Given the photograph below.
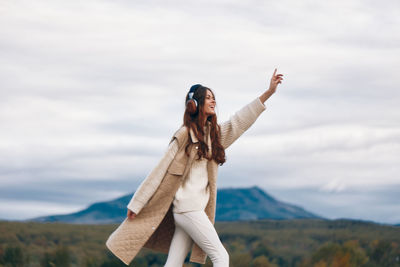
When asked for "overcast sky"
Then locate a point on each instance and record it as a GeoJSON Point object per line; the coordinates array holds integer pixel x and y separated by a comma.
{"type": "Point", "coordinates": [92, 91]}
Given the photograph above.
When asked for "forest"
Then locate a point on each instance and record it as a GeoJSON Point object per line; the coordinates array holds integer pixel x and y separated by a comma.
{"type": "Point", "coordinates": [298, 243]}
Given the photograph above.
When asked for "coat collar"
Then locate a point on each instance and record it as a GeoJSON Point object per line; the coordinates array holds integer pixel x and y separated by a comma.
{"type": "Point", "coordinates": [193, 136]}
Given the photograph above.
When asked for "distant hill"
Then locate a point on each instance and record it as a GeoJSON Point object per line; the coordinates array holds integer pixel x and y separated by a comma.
{"type": "Point", "coordinates": [238, 204]}
{"type": "Point", "coordinates": [233, 204]}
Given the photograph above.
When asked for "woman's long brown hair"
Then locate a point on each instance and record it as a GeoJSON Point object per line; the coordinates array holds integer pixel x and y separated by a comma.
{"type": "Point", "coordinates": [194, 119]}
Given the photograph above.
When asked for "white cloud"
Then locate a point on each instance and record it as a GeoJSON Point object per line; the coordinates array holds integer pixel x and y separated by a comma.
{"type": "Point", "coordinates": [355, 155]}
{"type": "Point", "coordinates": [335, 185]}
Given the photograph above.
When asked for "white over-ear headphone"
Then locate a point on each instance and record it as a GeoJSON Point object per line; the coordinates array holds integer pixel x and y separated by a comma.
{"type": "Point", "coordinates": [191, 93]}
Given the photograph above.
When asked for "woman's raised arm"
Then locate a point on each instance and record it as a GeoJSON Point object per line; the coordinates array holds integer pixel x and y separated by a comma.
{"type": "Point", "coordinates": [237, 124]}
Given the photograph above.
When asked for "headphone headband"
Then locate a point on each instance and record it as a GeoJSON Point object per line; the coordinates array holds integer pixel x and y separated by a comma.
{"type": "Point", "coordinates": [192, 89]}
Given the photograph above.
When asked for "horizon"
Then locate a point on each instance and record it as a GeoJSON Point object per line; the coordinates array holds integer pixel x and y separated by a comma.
{"type": "Point", "coordinates": [318, 216]}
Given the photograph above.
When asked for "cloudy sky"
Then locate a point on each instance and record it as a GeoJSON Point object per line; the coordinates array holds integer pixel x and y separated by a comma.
{"type": "Point", "coordinates": [92, 91]}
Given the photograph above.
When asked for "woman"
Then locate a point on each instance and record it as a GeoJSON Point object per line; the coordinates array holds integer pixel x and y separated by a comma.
{"type": "Point", "coordinates": [174, 207]}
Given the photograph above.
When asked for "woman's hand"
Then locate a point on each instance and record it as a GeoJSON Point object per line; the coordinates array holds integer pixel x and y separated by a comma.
{"type": "Point", "coordinates": [131, 215]}
{"type": "Point", "coordinates": [275, 80]}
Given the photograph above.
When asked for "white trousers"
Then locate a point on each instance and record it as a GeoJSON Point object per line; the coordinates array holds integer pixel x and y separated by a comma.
{"type": "Point", "coordinates": [195, 226]}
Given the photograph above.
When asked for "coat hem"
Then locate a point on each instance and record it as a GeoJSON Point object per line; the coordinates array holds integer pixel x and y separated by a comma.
{"type": "Point", "coordinates": [116, 254]}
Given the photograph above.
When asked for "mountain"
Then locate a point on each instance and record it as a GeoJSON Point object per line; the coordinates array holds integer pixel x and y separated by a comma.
{"type": "Point", "coordinates": [98, 213]}
{"type": "Point", "coordinates": [233, 204]}
{"type": "Point", "coordinates": [238, 204]}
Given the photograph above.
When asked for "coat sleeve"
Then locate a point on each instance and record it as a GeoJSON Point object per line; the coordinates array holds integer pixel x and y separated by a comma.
{"type": "Point", "coordinates": [238, 123]}
{"type": "Point", "coordinates": [150, 184]}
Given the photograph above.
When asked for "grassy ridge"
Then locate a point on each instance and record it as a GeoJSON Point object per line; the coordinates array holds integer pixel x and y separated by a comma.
{"type": "Point", "coordinates": [307, 242]}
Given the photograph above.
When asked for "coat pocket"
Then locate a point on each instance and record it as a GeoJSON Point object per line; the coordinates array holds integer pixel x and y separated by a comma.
{"type": "Point", "coordinates": [176, 168]}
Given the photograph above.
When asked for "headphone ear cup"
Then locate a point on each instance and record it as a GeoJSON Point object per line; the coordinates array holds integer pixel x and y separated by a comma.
{"type": "Point", "coordinates": [192, 108]}
{"type": "Point", "coordinates": [194, 101]}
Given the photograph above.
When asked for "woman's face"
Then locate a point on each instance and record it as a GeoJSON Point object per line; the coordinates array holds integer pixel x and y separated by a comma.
{"type": "Point", "coordinates": [209, 104]}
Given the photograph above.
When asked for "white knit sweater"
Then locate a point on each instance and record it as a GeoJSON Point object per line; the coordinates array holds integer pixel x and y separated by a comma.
{"type": "Point", "coordinates": [193, 194]}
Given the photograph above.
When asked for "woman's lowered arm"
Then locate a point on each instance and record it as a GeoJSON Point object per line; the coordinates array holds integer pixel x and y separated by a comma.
{"type": "Point", "coordinates": [150, 184]}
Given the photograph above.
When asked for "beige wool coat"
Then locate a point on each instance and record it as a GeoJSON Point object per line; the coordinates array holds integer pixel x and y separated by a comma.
{"type": "Point", "coordinates": [153, 227]}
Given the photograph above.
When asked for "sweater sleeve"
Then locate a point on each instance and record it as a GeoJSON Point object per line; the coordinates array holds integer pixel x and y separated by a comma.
{"type": "Point", "coordinates": [238, 123]}
{"type": "Point", "coordinates": [150, 184]}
